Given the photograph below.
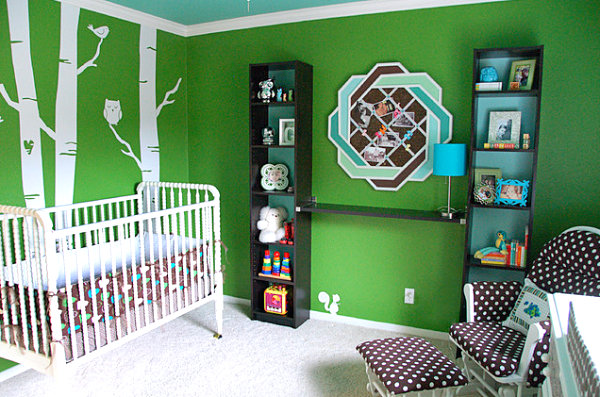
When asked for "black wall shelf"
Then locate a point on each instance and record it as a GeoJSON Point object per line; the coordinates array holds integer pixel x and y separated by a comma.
{"type": "Point", "coordinates": [381, 212]}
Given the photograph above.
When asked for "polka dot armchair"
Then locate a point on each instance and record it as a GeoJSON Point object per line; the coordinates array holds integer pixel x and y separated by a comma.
{"type": "Point", "coordinates": [569, 263]}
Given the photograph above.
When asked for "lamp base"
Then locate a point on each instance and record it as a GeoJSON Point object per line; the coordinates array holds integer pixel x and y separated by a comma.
{"type": "Point", "coordinates": [444, 213]}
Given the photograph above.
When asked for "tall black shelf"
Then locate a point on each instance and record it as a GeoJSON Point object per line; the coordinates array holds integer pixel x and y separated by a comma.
{"type": "Point", "coordinates": [296, 76]}
{"type": "Point", "coordinates": [484, 220]}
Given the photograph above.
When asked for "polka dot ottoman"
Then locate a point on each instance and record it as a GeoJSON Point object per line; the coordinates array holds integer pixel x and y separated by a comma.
{"type": "Point", "coordinates": [397, 366]}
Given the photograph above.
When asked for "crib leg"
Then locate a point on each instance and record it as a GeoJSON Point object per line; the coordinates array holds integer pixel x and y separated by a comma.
{"type": "Point", "coordinates": [219, 304]}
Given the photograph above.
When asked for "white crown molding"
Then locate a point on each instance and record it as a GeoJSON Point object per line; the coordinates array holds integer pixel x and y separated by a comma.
{"type": "Point", "coordinates": [325, 12]}
{"type": "Point", "coordinates": [276, 18]}
{"type": "Point", "coordinates": [130, 15]}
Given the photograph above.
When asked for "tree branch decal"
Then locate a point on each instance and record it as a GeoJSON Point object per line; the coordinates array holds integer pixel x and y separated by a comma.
{"type": "Point", "coordinates": [166, 100]}
{"type": "Point", "coordinates": [129, 151]}
{"type": "Point", "coordinates": [9, 101]}
{"type": "Point", "coordinates": [101, 32]}
{"type": "Point", "coordinates": [113, 114]}
{"type": "Point", "coordinates": [17, 106]}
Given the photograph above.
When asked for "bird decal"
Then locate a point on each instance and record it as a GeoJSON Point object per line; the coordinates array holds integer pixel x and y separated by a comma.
{"type": "Point", "coordinates": [100, 31]}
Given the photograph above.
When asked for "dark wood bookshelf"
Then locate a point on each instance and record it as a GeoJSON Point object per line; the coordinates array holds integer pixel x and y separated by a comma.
{"type": "Point", "coordinates": [480, 224]}
{"type": "Point", "coordinates": [298, 76]}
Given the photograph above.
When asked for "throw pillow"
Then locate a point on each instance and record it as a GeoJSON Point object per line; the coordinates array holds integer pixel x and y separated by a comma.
{"type": "Point", "coordinates": [531, 307]}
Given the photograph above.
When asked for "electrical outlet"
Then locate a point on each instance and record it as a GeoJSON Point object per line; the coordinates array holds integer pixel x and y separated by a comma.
{"type": "Point", "coordinates": [409, 296]}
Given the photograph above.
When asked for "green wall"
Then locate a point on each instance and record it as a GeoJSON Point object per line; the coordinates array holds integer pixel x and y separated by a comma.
{"type": "Point", "coordinates": [101, 170]}
{"type": "Point", "coordinates": [369, 261]}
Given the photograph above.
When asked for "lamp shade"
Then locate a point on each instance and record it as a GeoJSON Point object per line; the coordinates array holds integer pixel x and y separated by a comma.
{"type": "Point", "coordinates": [449, 159]}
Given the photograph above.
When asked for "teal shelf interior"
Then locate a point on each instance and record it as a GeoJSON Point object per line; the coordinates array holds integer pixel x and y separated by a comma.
{"type": "Point", "coordinates": [527, 105]}
{"type": "Point", "coordinates": [485, 222]}
{"type": "Point", "coordinates": [514, 165]}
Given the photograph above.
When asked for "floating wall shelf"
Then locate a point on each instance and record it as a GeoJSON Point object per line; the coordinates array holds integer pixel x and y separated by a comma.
{"type": "Point", "coordinates": [382, 212]}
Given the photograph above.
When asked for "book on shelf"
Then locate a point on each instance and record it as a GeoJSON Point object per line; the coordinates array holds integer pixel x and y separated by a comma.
{"type": "Point", "coordinates": [500, 145]}
{"type": "Point", "coordinates": [491, 86]}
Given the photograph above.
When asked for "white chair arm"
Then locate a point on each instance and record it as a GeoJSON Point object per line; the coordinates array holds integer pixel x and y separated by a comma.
{"type": "Point", "coordinates": [534, 335]}
{"type": "Point", "coordinates": [469, 301]}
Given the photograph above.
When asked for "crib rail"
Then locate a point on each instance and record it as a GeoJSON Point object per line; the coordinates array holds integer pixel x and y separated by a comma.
{"type": "Point", "coordinates": [109, 268]}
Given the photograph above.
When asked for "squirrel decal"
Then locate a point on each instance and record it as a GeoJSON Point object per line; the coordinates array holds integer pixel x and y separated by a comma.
{"type": "Point", "coordinates": [332, 308]}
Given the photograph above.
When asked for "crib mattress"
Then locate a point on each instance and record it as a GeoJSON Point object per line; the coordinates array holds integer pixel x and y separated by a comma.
{"type": "Point", "coordinates": [121, 299]}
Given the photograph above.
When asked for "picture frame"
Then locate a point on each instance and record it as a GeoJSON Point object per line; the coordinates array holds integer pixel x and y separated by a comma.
{"type": "Point", "coordinates": [484, 194]}
{"type": "Point", "coordinates": [512, 192]}
{"type": "Point", "coordinates": [505, 128]}
{"type": "Point", "coordinates": [488, 176]}
{"type": "Point", "coordinates": [287, 132]}
{"type": "Point", "coordinates": [522, 72]}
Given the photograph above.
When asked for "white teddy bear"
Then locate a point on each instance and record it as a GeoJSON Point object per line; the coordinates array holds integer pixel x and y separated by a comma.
{"type": "Point", "coordinates": [270, 224]}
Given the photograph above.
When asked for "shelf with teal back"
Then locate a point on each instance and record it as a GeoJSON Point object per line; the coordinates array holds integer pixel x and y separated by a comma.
{"type": "Point", "coordinates": [483, 222]}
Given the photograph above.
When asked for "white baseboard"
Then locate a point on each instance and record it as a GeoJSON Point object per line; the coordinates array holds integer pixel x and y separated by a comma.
{"type": "Point", "coordinates": [13, 371]}
{"type": "Point", "coordinates": [425, 333]}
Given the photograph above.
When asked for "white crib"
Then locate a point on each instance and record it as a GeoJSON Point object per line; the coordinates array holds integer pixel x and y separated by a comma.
{"type": "Point", "coordinates": [77, 280]}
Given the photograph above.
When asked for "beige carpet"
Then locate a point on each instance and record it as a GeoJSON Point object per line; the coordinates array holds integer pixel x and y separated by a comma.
{"type": "Point", "coordinates": [252, 359]}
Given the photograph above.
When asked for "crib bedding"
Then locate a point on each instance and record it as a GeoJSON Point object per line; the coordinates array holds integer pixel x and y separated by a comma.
{"type": "Point", "coordinates": [93, 259]}
{"type": "Point", "coordinates": [121, 298]}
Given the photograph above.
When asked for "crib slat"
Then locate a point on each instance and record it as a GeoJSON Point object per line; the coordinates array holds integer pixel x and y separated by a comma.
{"type": "Point", "coordinates": [126, 286]}
{"type": "Point", "coordinates": [93, 287]}
{"type": "Point", "coordinates": [81, 303]}
{"type": "Point", "coordinates": [40, 275]}
{"type": "Point", "coordinates": [30, 289]}
{"type": "Point", "coordinates": [69, 304]}
{"type": "Point", "coordinates": [104, 284]}
{"type": "Point", "coordinates": [6, 286]}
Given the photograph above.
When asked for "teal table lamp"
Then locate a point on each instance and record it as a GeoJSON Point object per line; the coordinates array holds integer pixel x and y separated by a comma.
{"type": "Point", "coordinates": [449, 159]}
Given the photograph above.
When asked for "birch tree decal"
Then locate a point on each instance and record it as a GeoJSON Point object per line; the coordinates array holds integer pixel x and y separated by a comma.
{"type": "Point", "coordinates": [149, 112]}
{"type": "Point", "coordinates": [26, 104]}
{"type": "Point", "coordinates": [113, 114]}
{"type": "Point", "coordinates": [66, 100]}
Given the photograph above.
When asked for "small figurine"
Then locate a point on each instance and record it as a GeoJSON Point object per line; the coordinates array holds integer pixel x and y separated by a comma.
{"type": "Point", "coordinates": [290, 97]}
{"type": "Point", "coordinates": [526, 141]}
{"type": "Point", "coordinates": [500, 246]}
{"type": "Point", "coordinates": [266, 90]}
{"type": "Point", "coordinates": [284, 97]}
{"type": "Point", "coordinates": [488, 74]}
{"type": "Point", "coordinates": [278, 97]}
{"type": "Point", "coordinates": [268, 133]}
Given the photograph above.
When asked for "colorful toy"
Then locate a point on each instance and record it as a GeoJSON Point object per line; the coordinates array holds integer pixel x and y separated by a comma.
{"type": "Point", "coordinates": [289, 235]}
{"type": "Point", "coordinates": [276, 299]}
{"type": "Point", "coordinates": [276, 264]}
{"type": "Point", "coordinates": [285, 267]}
{"type": "Point", "coordinates": [266, 267]}
{"type": "Point", "coordinates": [500, 246]}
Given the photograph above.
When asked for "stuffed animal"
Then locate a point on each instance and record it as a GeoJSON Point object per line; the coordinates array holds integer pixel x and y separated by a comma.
{"type": "Point", "coordinates": [270, 224]}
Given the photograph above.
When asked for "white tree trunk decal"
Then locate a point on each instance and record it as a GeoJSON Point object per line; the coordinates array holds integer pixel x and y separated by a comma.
{"type": "Point", "coordinates": [149, 144]}
{"type": "Point", "coordinates": [66, 103]}
{"type": "Point", "coordinates": [66, 100]}
{"type": "Point", "coordinates": [66, 106]}
{"type": "Point", "coordinates": [26, 104]}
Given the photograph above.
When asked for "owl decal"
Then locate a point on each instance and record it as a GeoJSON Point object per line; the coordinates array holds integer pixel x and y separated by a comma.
{"type": "Point", "coordinates": [112, 111]}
